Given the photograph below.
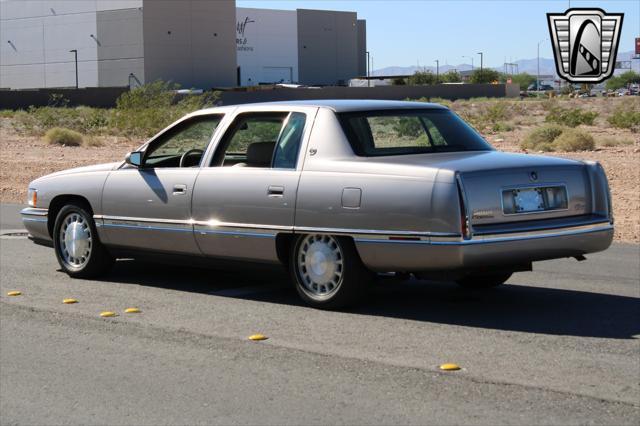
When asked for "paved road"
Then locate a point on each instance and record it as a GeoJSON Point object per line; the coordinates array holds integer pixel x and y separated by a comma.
{"type": "Point", "coordinates": [558, 345]}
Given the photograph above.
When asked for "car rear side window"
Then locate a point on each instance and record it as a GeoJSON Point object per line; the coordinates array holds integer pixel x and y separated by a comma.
{"type": "Point", "coordinates": [262, 140]}
{"type": "Point", "coordinates": [377, 133]}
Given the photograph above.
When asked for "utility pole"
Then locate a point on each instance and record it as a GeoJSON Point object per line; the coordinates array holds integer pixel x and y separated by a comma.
{"type": "Point", "coordinates": [75, 54]}
{"type": "Point", "coordinates": [538, 72]}
{"type": "Point", "coordinates": [481, 55]}
{"type": "Point", "coordinates": [437, 71]}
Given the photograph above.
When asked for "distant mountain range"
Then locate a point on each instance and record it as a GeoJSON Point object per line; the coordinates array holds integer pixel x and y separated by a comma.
{"type": "Point", "coordinates": [547, 66]}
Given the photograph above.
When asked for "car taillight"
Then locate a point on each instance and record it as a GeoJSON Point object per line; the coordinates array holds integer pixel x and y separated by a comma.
{"type": "Point", "coordinates": [464, 216]}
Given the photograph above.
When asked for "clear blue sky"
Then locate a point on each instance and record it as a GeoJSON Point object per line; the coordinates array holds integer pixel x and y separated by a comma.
{"type": "Point", "coordinates": [401, 32]}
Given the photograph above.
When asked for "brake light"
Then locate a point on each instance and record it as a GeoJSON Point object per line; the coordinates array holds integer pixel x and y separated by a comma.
{"type": "Point", "coordinates": [464, 226]}
{"type": "Point", "coordinates": [464, 216]}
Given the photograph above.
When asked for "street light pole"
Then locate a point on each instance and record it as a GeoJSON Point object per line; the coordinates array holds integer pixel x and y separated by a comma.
{"type": "Point", "coordinates": [368, 75]}
{"type": "Point", "coordinates": [437, 71]}
{"type": "Point", "coordinates": [481, 55]}
{"type": "Point", "coordinates": [75, 54]}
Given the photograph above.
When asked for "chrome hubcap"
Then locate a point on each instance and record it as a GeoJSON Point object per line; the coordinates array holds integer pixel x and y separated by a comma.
{"type": "Point", "coordinates": [75, 240]}
{"type": "Point", "coordinates": [320, 264]}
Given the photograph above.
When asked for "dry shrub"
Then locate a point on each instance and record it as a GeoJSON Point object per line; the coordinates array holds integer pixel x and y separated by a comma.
{"type": "Point", "coordinates": [574, 140]}
{"type": "Point", "coordinates": [62, 136]}
{"type": "Point", "coordinates": [546, 134]}
{"type": "Point", "coordinates": [614, 142]}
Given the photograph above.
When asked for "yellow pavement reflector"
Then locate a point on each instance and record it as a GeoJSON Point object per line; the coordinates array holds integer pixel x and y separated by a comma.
{"type": "Point", "coordinates": [107, 314]}
{"type": "Point", "coordinates": [449, 367]}
{"type": "Point", "coordinates": [14, 293]}
{"type": "Point", "coordinates": [258, 337]}
{"type": "Point", "coordinates": [69, 301]}
{"type": "Point", "coordinates": [132, 310]}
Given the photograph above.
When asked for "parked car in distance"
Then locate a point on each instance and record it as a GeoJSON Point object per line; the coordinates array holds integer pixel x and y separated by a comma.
{"type": "Point", "coordinates": [335, 190]}
{"type": "Point", "coordinates": [533, 87]}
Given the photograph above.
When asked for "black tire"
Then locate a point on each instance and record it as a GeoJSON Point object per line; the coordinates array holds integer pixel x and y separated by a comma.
{"type": "Point", "coordinates": [98, 260]}
{"type": "Point", "coordinates": [484, 280]}
{"type": "Point", "coordinates": [354, 278]}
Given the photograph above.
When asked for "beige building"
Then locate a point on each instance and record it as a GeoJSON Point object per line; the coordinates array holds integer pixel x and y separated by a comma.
{"type": "Point", "coordinates": [196, 43]}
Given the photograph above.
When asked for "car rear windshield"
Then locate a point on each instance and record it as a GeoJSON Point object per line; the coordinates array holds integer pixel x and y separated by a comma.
{"type": "Point", "coordinates": [377, 133]}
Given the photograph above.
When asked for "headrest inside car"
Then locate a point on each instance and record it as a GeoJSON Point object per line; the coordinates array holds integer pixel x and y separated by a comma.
{"type": "Point", "coordinates": [259, 154]}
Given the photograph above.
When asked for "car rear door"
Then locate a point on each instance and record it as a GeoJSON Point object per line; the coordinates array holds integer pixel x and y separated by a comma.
{"type": "Point", "coordinates": [243, 200]}
{"type": "Point", "coordinates": [149, 208]}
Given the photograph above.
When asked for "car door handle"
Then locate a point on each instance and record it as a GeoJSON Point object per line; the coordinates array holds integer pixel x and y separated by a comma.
{"type": "Point", "coordinates": [179, 189]}
{"type": "Point", "coordinates": [275, 191]}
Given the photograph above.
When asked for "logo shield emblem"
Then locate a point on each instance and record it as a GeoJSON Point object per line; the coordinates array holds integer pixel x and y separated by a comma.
{"type": "Point", "coordinates": [585, 43]}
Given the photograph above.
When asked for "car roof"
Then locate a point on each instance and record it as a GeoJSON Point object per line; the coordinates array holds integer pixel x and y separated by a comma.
{"type": "Point", "coordinates": [347, 105]}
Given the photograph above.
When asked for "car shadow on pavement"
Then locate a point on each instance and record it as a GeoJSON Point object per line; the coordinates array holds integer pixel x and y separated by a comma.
{"type": "Point", "coordinates": [512, 307]}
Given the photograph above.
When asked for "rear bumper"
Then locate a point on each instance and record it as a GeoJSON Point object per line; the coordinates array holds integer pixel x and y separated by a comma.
{"type": "Point", "coordinates": [453, 253]}
{"type": "Point", "coordinates": [35, 222]}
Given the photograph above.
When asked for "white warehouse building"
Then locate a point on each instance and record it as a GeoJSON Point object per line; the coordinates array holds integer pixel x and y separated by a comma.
{"type": "Point", "coordinates": [196, 43]}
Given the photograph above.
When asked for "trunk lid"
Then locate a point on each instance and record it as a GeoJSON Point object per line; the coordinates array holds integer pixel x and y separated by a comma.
{"type": "Point", "coordinates": [508, 188]}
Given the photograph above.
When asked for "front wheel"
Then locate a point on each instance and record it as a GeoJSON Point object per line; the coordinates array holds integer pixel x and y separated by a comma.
{"type": "Point", "coordinates": [78, 249]}
{"type": "Point", "coordinates": [327, 271]}
{"type": "Point", "coordinates": [484, 280]}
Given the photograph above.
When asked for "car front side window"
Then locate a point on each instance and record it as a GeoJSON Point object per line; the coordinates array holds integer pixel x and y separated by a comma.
{"type": "Point", "coordinates": [183, 145]}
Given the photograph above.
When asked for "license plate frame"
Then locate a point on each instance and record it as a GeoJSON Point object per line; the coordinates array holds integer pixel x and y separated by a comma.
{"type": "Point", "coordinates": [533, 199]}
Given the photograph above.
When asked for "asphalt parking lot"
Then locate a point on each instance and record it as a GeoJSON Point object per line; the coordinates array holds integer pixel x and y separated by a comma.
{"type": "Point", "coordinates": [558, 345]}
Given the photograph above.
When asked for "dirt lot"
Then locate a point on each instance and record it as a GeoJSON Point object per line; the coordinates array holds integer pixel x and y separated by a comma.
{"type": "Point", "coordinates": [23, 157]}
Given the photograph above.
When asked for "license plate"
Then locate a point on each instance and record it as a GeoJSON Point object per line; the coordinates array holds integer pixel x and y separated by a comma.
{"type": "Point", "coordinates": [538, 199]}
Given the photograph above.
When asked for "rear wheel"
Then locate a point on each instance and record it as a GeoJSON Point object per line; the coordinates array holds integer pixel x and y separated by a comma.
{"type": "Point", "coordinates": [327, 271]}
{"type": "Point", "coordinates": [484, 280]}
{"type": "Point", "coordinates": [78, 249]}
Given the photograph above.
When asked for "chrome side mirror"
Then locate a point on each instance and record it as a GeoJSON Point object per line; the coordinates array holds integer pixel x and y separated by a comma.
{"type": "Point", "coordinates": [134, 158]}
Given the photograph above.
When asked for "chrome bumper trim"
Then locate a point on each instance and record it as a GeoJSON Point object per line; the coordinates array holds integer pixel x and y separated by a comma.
{"type": "Point", "coordinates": [498, 238]}
{"type": "Point", "coordinates": [207, 225]}
{"type": "Point", "coordinates": [33, 211]}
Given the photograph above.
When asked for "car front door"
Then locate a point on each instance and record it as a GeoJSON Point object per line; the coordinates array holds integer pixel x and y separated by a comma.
{"type": "Point", "coordinates": [149, 207]}
{"type": "Point", "coordinates": [248, 194]}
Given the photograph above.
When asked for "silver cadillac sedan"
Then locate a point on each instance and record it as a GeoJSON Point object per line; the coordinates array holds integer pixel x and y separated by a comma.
{"type": "Point", "coordinates": [335, 190]}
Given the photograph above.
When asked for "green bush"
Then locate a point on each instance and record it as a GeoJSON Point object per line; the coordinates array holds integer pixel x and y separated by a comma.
{"type": "Point", "coordinates": [502, 127]}
{"type": "Point", "coordinates": [451, 77]}
{"type": "Point", "coordinates": [420, 78]}
{"type": "Point", "coordinates": [623, 80]}
{"type": "Point", "coordinates": [148, 109]}
{"type": "Point", "coordinates": [574, 140]}
{"type": "Point", "coordinates": [62, 136]}
{"type": "Point", "coordinates": [37, 120]}
{"type": "Point", "coordinates": [496, 111]}
{"type": "Point", "coordinates": [570, 117]}
{"type": "Point", "coordinates": [626, 116]}
{"type": "Point", "coordinates": [485, 75]}
{"type": "Point", "coordinates": [544, 135]}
